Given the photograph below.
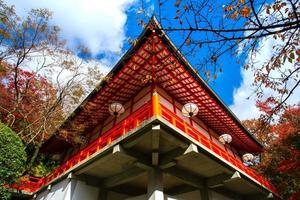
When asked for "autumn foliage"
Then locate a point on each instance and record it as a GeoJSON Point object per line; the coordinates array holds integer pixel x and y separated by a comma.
{"type": "Point", "coordinates": [280, 162]}
{"type": "Point", "coordinates": [25, 100]}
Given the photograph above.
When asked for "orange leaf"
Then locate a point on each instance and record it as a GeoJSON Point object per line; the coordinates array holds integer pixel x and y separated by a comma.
{"type": "Point", "coordinates": [245, 11]}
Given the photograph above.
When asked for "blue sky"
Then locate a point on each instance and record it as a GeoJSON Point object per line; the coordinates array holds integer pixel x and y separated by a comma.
{"type": "Point", "coordinates": [105, 26]}
{"type": "Point", "coordinates": [116, 21]}
{"type": "Point", "coordinates": [229, 79]}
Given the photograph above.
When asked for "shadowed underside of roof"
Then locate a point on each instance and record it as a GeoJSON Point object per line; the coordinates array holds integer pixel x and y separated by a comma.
{"type": "Point", "coordinates": [154, 57]}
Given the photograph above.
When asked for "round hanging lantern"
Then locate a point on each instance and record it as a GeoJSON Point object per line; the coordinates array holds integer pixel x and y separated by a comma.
{"type": "Point", "coordinates": [248, 157]}
{"type": "Point", "coordinates": [116, 109]}
{"type": "Point", "coordinates": [190, 110]}
{"type": "Point", "coordinates": [225, 138]}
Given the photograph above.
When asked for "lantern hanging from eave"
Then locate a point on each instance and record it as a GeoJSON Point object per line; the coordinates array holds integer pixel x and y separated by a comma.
{"type": "Point", "coordinates": [248, 157]}
{"type": "Point", "coordinates": [225, 138]}
{"type": "Point", "coordinates": [190, 110]}
{"type": "Point", "coordinates": [116, 109]}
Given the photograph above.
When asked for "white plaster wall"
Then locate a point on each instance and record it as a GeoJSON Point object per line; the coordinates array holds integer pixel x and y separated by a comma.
{"type": "Point", "coordinates": [143, 197]}
{"type": "Point", "coordinates": [69, 190]}
{"type": "Point", "coordinates": [59, 191]}
{"type": "Point", "coordinates": [84, 191]}
{"type": "Point", "coordinates": [166, 103]}
{"type": "Point", "coordinates": [185, 196]}
{"type": "Point", "coordinates": [193, 195]}
{"type": "Point", "coordinates": [78, 190]}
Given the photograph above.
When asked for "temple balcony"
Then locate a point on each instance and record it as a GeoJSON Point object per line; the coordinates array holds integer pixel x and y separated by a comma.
{"type": "Point", "coordinates": [155, 135]}
{"type": "Point", "coordinates": [151, 151]}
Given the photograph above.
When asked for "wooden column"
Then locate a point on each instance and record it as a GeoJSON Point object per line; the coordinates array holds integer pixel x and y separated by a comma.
{"type": "Point", "coordinates": [155, 104]}
{"type": "Point", "coordinates": [102, 194]}
{"type": "Point", "coordinates": [204, 193]}
{"type": "Point", "coordinates": [155, 185]}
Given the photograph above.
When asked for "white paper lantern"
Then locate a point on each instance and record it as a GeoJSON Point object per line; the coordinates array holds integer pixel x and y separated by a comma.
{"type": "Point", "coordinates": [116, 109]}
{"type": "Point", "coordinates": [190, 110]}
{"type": "Point", "coordinates": [248, 157]}
{"type": "Point", "coordinates": [225, 138]}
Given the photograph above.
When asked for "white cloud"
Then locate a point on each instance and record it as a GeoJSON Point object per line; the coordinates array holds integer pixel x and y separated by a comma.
{"type": "Point", "coordinates": [244, 99]}
{"type": "Point", "coordinates": [98, 24]}
{"type": "Point", "coordinates": [245, 108]}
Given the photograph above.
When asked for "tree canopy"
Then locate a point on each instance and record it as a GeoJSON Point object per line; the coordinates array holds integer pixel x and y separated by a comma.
{"type": "Point", "coordinates": [280, 161]}
{"type": "Point", "coordinates": [41, 80]}
{"type": "Point", "coordinates": [37, 113]}
{"type": "Point", "coordinates": [12, 158]}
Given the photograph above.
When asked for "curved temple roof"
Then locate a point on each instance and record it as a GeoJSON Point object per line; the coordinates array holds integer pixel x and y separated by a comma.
{"type": "Point", "coordinates": [155, 56]}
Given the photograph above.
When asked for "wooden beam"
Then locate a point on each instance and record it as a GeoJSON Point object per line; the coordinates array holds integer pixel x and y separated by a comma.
{"type": "Point", "coordinates": [129, 190]}
{"type": "Point", "coordinates": [180, 189]}
{"type": "Point", "coordinates": [270, 196]}
{"type": "Point", "coordinates": [118, 150]}
{"type": "Point", "coordinates": [192, 148]}
{"type": "Point", "coordinates": [218, 180]}
{"type": "Point", "coordinates": [155, 144]}
{"type": "Point", "coordinates": [229, 193]}
{"type": "Point", "coordinates": [101, 160]}
{"type": "Point", "coordinates": [155, 157]}
{"type": "Point", "coordinates": [174, 140]}
{"type": "Point", "coordinates": [258, 197]}
{"type": "Point", "coordinates": [102, 195]}
{"type": "Point", "coordinates": [122, 177]}
{"type": "Point", "coordinates": [155, 184]}
{"type": "Point", "coordinates": [186, 177]}
{"type": "Point", "coordinates": [141, 160]}
{"type": "Point", "coordinates": [235, 177]}
{"type": "Point", "coordinates": [89, 180]}
{"type": "Point", "coordinates": [170, 159]}
{"type": "Point", "coordinates": [204, 193]}
{"type": "Point", "coordinates": [142, 165]}
{"type": "Point", "coordinates": [134, 140]}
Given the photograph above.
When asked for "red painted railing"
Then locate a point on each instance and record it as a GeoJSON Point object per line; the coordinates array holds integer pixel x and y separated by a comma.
{"type": "Point", "coordinates": [27, 183]}
{"type": "Point", "coordinates": [123, 127]}
{"type": "Point", "coordinates": [202, 139]}
{"type": "Point", "coordinates": [145, 112]}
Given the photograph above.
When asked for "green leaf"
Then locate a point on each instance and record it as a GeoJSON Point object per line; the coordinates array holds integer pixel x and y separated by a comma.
{"type": "Point", "coordinates": [292, 55]}
{"type": "Point", "coordinates": [12, 156]}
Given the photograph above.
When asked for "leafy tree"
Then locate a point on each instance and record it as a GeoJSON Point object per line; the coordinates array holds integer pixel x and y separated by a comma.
{"type": "Point", "coordinates": [41, 80]}
{"type": "Point", "coordinates": [38, 113]}
{"type": "Point", "coordinates": [213, 30]}
{"type": "Point", "coordinates": [263, 132]}
{"type": "Point", "coordinates": [12, 158]}
{"type": "Point", "coordinates": [33, 117]}
{"type": "Point", "coordinates": [280, 161]}
{"type": "Point", "coordinates": [44, 165]}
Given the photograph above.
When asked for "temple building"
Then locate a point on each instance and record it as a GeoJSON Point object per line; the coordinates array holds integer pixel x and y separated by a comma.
{"type": "Point", "coordinates": [153, 129]}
